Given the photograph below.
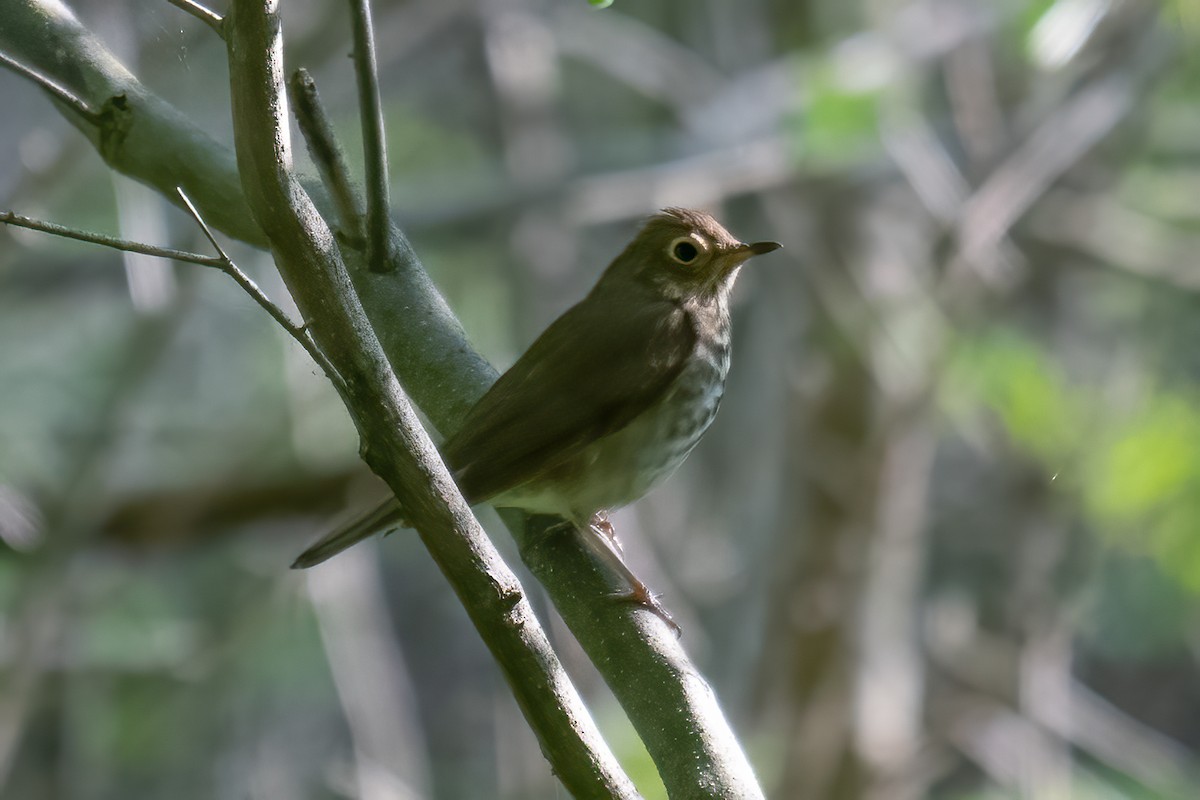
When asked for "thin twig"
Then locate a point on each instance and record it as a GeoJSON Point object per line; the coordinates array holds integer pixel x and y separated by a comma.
{"type": "Point", "coordinates": [326, 152]}
{"type": "Point", "coordinates": [221, 262]}
{"type": "Point", "coordinates": [208, 234]}
{"type": "Point", "coordinates": [60, 93]}
{"type": "Point", "coordinates": [206, 15]}
{"type": "Point", "coordinates": [10, 218]}
{"type": "Point", "coordinates": [226, 265]}
{"type": "Point", "coordinates": [371, 119]}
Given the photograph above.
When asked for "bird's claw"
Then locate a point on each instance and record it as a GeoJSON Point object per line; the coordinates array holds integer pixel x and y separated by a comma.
{"type": "Point", "coordinates": [602, 527]}
{"type": "Point", "coordinates": [649, 601]}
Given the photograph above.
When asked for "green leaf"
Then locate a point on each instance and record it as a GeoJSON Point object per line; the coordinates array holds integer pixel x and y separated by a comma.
{"type": "Point", "coordinates": [839, 122]}
{"type": "Point", "coordinates": [1028, 392]}
{"type": "Point", "coordinates": [1175, 542]}
{"type": "Point", "coordinates": [1152, 462]}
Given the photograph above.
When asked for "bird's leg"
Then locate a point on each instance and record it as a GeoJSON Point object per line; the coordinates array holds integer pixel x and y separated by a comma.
{"type": "Point", "coordinates": [602, 526]}
{"type": "Point", "coordinates": [604, 544]}
{"type": "Point", "coordinates": [598, 535]}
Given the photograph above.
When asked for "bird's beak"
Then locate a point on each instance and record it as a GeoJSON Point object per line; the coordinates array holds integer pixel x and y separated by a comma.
{"type": "Point", "coordinates": [762, 248]}
{"type": "Point", "coordinates": [744, 251]}
{"type": "Point", "coordinates": [731, 260]}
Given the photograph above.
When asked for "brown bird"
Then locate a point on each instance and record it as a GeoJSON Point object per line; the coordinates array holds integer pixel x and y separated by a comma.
{"type": "Point", "coordinates": [610, 399]}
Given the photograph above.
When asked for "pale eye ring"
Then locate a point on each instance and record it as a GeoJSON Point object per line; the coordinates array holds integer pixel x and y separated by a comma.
{"type": "Point", "coordinates": [685, 250]}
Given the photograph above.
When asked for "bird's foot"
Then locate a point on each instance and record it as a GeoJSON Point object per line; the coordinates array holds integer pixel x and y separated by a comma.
{"type": "Point", "coordinates": [641, 595]}
{"type": "Point", "coordinates": [604, 542]}
{"type": "Point", "coordinates": [602, 527]}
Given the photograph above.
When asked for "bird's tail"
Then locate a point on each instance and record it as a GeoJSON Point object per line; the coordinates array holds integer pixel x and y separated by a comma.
{"type": "Point", "coordinates": [380, 518]}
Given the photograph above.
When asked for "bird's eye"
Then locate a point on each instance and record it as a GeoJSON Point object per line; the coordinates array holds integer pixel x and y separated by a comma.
{"type": "Point", "coordinates": [684, 250]}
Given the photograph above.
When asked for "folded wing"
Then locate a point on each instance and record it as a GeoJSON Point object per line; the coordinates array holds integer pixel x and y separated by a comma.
{"type": "Point", "coordinates": [587, 376]}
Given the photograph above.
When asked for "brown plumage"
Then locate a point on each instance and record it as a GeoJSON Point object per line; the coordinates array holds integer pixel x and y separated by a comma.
{"type": "Point", "coordinates": [610, 399]}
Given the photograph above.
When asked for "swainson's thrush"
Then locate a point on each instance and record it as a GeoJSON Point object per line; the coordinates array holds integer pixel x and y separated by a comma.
{"type": "Point", "coordinates": [610, 398]}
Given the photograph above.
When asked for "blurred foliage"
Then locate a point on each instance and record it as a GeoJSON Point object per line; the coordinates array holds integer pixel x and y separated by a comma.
{"type": "Point", "coordinates": [839, 124]}
{"type": "Point", "coordinates": [1014, 378]}
{"type": "Point", "coordinates": [1133, 465]}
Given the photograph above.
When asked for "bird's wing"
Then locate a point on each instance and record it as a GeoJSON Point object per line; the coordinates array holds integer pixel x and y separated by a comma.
{"type": "Point", "coordinates": [588, 375]}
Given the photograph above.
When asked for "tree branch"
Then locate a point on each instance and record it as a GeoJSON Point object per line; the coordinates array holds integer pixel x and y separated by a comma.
{"type": "Point", "coordinates": [395, 444]}
{"type": "Point", "coordinates": [21, 221]}
{"type": "Point", "coordinates": [1057, 143]}
{"type": "Point", "coordinates": [135, 132]}
{"type": "Point", "coordinates": [326, 153]}
{"type": "Point", "coordinates": [72, 101]}
{"type": "Point", "coordinates": [298, 332]}
{"type": "Point", "coordinates": [374, 154]}
{"type": "Point", "coordinates": [667, 700]}
{"type": "Point", "coordinates": [222, 262]}
{"type": "Point", "coordinates": [206, 15]}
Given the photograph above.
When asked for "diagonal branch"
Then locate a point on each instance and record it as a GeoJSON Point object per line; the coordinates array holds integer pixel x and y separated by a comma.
{"type": "Point", "coordinates": [394, 443]}
{"type": "Point", "coordinates": [203, 13]}
{"type": "Point", "coordinates": [298, 332]}
{"type": "Point", "coordinates": [56, 90]}
{"type": "Point", "coordinates": [1016, 184]}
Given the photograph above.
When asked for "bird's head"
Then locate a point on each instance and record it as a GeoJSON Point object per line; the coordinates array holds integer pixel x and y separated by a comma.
{"type": "Point", "coordinates": [683, 253]}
